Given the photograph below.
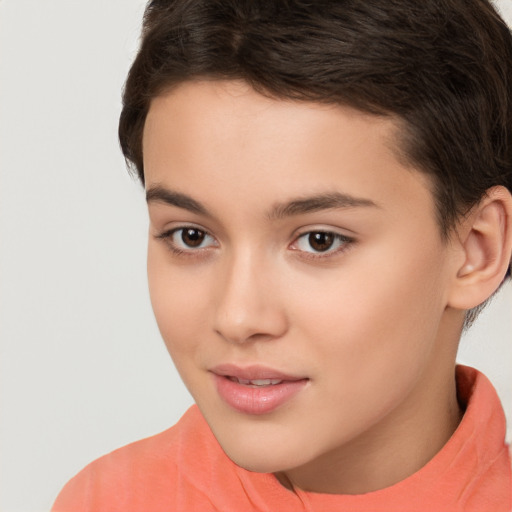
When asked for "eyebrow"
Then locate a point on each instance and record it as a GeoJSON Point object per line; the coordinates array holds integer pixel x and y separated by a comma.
{"type": "Point", "coordinates": [300, 206]}
{"type": "Point", "coordinates": [327, 201]}
{"type": "Point", "coordinates": [159, 194]}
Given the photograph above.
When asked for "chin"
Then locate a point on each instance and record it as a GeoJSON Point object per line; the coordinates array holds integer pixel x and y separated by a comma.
{"type": "Point", "coordinates": [263, 456]}
{"type": "Point", "coordinates": [269, 444]}
{"type": "Point", "coordinates": [258, 463]}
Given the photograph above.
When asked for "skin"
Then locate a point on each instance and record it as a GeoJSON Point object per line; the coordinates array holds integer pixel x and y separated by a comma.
{"type": "Point", "coordinates": [367, 322]}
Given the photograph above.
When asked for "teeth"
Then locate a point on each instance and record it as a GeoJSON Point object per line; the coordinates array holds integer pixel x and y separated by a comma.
{"type": "Point", "coordinates": [258, 382]}
{"type": "Point", "coordinates": [265, 382]}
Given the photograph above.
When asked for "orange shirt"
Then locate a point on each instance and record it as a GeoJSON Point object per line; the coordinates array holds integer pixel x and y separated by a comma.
{"type": "Point", "coordinates": [184, 469]}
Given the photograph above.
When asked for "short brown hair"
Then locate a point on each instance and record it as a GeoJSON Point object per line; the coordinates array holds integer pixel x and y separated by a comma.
{"type": "Point", "coordinates": [442, 67]}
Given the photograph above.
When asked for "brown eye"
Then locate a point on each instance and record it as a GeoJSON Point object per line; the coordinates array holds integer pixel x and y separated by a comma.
{"type": "Point", "coordinates": [192, 237]}
{"type": "Point", "coordinates": [324, 243]}
{"type": "Point", "coordinates": [320, 241]}
{"type": "Point", "coordinates": [188, 240]}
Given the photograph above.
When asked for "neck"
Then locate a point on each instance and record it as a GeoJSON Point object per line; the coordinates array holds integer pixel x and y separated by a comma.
{"type": "Point", "coordinates": [396, 447]}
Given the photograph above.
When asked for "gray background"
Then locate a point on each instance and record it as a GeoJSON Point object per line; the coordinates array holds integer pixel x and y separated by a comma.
{"type": "Point", "coordinates": [82, 366]}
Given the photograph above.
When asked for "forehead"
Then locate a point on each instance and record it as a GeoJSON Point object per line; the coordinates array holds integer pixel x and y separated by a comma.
{"type": "Point", "coordinates": [223, 140]}
{"type": "Point", "coordinates": [192, 108]}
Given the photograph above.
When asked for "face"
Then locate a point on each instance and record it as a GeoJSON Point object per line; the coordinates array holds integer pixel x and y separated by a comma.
{"type": "Point", "coordinates": [296, 271]}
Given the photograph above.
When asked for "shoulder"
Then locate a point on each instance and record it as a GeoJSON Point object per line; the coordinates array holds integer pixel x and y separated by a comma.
{"type": "Point", "coordinates": [142, 472]}
{"type": "Point", "coordinates": [479, 444]}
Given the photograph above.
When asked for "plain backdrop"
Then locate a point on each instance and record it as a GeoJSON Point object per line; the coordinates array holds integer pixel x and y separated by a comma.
{"type": "Point", "coordinates": [83, 369]}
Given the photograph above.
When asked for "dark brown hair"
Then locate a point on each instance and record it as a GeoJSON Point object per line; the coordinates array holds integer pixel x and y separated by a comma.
{"type": "Point", "coordinates": [441, 67]}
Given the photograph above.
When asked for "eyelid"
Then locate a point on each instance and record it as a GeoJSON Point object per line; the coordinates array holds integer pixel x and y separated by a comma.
{"type": "Point", "coordinates": [167, 237]}
{"type": "Point", "coordinates": [346, 243]}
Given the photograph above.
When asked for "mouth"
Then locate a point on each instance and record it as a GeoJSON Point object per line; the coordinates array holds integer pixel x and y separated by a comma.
{"type": "Point", "coordinates": [256, 383]}
{"type": "Point", "coordinates": [256, 390]}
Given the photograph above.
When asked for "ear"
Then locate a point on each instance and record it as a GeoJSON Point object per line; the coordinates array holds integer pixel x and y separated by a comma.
{"type": "Point", "coordinates": [485, 242]}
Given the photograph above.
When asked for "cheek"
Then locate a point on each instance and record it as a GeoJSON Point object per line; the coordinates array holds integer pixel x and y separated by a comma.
{"type": "Point", "coordinates": [378, 314]}
{"type": "Point", "coordinates": [177, 303]}
{"type": "Point", "coordinates": [368, 341]}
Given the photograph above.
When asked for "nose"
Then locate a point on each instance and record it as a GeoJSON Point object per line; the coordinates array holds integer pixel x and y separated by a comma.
{"type": "Point", "coordinates": [249, 305]}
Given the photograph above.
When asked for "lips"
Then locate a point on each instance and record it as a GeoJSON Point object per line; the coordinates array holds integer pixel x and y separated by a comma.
{"type": "Point", "coordinates": [255, 389]}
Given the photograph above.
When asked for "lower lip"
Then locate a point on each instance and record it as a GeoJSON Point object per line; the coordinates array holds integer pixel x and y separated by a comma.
{"type": "Point", "coordinates": [256, 399]}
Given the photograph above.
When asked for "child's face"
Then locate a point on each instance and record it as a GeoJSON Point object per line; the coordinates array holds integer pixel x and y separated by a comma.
{"type": "Point", "coordinates": [305, 251]}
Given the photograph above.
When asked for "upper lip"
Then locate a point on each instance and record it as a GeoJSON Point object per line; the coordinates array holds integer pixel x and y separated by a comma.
{"type": "Point", "coordinates": [252, 372]}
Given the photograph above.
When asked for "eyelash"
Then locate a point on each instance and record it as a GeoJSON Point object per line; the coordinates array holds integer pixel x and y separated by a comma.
{"type": "Point", "coordinates": [344, 243]}
{"type": "Point", "coordinates": [167, 237]}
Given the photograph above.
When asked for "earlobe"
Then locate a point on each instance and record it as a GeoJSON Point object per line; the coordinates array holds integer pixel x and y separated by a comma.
{"type": "Point", "coordinates": [485, 237]}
